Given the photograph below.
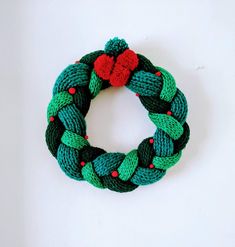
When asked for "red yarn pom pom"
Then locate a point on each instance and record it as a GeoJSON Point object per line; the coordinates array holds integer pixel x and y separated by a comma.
{"type": "Point", "coordinates": [119, 76]}
{"type": "Point", "coordinates": [86, 137]}
{"type": "Point", "coordinates": [128, 59]}
{"type": "Point", "coordinates": [158, 73]}
{"type": "Point", "coordinates": [103, 66]}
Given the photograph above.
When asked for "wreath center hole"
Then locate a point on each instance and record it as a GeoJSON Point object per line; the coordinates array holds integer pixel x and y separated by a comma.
{"type": "Point", "coordinates": [117, 121]}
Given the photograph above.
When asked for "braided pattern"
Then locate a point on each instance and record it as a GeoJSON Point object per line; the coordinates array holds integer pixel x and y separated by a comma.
{"type": "Point", "coordinates": [73, 91]}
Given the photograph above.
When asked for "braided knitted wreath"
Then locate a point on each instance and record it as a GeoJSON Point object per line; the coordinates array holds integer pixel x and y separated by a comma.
{"type": "Point", "coordinates": [66, 135]}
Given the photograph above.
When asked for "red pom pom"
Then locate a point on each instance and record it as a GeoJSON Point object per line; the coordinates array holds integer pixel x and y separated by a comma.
{"type": "Point", "coordinates": [158, 73]}
{"type": "Point", "coordinates": [137, 94]}
{"type": "Point", "coordinates": [128, 59]}
{"type": "Point", "coordinates": [119, 76]}
{"type": "Point", "coordinates": [103, 66]}
{"type": "Point", "coordinates": [114, 174]}
{"type": "Point", "coordinates": [52, 119]}
{"type": "Point", "coordinates": [151, 141]}
{"type": "Point", "coordinates": [72, 90]}
{"type": "Point", "coordinates": [86, 137]}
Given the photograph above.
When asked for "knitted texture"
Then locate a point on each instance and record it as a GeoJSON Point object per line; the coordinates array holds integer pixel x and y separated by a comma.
{"type": "Point", "coordinates": [73, 91]}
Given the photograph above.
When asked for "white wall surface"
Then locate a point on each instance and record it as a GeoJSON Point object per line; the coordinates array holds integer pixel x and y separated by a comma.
{"type": "Point", "coordinates": [193, 205]}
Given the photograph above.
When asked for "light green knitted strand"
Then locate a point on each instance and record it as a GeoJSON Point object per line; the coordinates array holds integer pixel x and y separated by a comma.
{"type": "Point", "coordinates": [168, 87]}
{"type": "Point", "coordinates": [166, 162]}
{"type": "Point", "coordinates": [90, 175]}
{"type": "Point", "coordinates": [128, 166]}
{"type": "Point", "coordinates": [58, 102]}
{"type": "Point", "coordinates": [73, 140]}
{"type": "Point", "coordinates": [95, 84]}
{"type": "Point", "coordinates": [168, 124]}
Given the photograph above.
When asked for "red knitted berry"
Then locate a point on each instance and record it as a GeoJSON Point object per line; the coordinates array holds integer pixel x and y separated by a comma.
{"type": "Point", "coordinates": [86, 137]}
{"type": "Point", "coordinates": [103, 66]}
{"type": "Point", "coordinates": [169, 113]}
{"type": "Point", "coordinates": [72, 90]}
{"type": "Point", "coordinates": [151, 141]}
{"type": "Point", "coordinates": [151, 166]}
{"type": "Point", "coordinates": [114, 174]}
{"type": "Point", "coordinates": [82, 163]}
{"type": "Point", "coordinates": [52, 119]}
{"type": "Point", "coordinates": [158, 73]}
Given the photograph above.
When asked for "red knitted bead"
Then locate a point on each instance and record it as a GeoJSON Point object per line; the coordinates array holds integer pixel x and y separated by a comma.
{"type": "Point", "coordinates": [151, 166]}
{"type": "Point", "coordinates": [169, 113]}
{"type": "Point", "coordinates": [114, 174]}
{"type": "Point", "coordinates": [137, 94]}
{"type": "Point", "coordinates": [158, 73]}
{"type": "Point", "coordinates": [86, 137]}
{"type": "Point", "coordinates": [82, 163]}
{"type": "Point", "coordinates": [151, 141]}
{"type": "Point", "coordinates": [72, 90]}
{"type": "Point", "coordinates": [52, 119]}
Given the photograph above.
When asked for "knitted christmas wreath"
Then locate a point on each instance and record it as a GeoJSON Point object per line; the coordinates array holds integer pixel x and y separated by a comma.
{"type": "Point", "coordinates": [66, 135]}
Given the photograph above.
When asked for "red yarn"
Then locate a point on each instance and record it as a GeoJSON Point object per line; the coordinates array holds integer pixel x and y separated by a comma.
{"type": "Point", "coordinates": [103, 66]}
{"type": "Point", "coordinates": [52, 119]}
{"type": "Point", "coordinates": [114, 174]}
{"type": "Point", "coordinates": [169, 113]}
{"type": "Point", "coordinates": [72, 90]}
{"type": "Point", "coordinates": [151, 166]}
{"type": "Point", "coordinates": [128, 59]}
{"type": "Point", "coordinates": [119, 76]}
{"type": "Point", "coordinates": [82, 163]}
{"type": "Point", "coordinates": [151, 141]}
{"type": "Point", "coordinates": [117, 72]}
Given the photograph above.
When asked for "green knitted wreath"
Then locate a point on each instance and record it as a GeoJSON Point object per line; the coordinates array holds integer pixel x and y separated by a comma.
{"type": "Point", "coordinates": [116, 66]}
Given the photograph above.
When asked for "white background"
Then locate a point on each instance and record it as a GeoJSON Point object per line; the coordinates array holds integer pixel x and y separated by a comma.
{"type": "Point", "coordinates": [193, 205]}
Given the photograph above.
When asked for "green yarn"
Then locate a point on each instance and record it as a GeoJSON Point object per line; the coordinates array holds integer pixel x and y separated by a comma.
{"type": "Point", "coordinates": [90, 176]}
{"type": "Point", "coordinates": [57, 103]}
{"type": "Point", "coordinates": [79, 83]}
{"type": "Point", "coordinates": [167, 147]}
{"type": "Point", "coordinates": [166, 162]}
{"type": "Point", "coordinates": [75, 75]}
{"type": "Point", "coordinates": [145, 176]}
{"type": "Point", "coordinates": [128, 166]}
{"type": "Point", "coordinates": [169, 86]}
{"type": "Point", "coordinates": [145, 83]}
{"type": "Point", "coordinates": [115, 46]}
{"type": "Point", "coordinates": [73, 140]}
{"type": "Point", "coordinates": [68, 160]}
{"type": "Point", "coordinates": [168, 124]}
{"type": "Point", "coordinates": [95, 84]}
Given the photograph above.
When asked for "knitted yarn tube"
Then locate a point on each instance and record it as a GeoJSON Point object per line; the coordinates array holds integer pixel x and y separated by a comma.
{"type": "Point", "coordinates": [79, 83]}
